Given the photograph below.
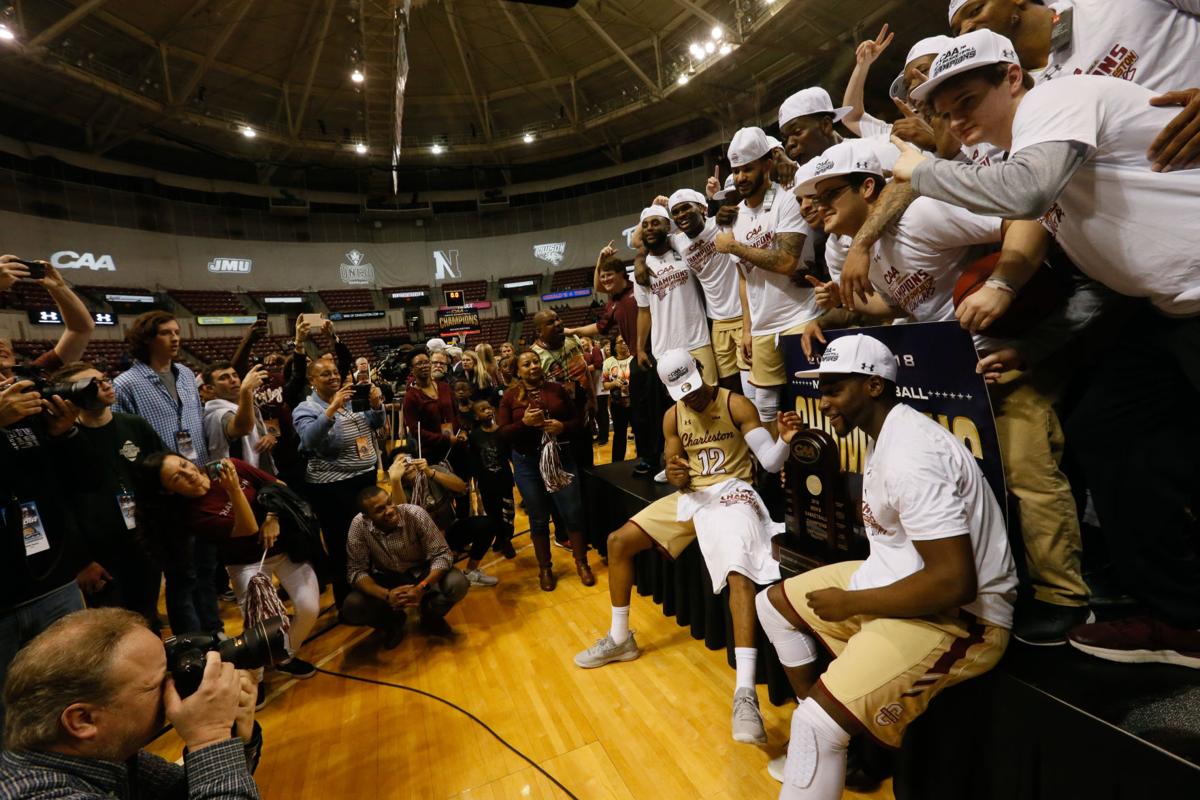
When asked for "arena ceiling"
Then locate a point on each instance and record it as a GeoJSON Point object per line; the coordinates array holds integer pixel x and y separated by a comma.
{"type": "Point", "coordinates": [497, 92]}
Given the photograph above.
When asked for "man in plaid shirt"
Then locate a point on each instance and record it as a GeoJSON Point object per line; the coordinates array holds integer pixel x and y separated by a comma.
{"type": "Point", "coordinates": [396, 558]}
{"type": "Point", "coordinates": [164, 393]}
{"type": "Point", "coordinates": [86, 694]}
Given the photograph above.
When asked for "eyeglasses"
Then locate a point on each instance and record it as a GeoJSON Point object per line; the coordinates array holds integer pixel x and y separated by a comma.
{"type": "Point", "coordinates": [825, 199]}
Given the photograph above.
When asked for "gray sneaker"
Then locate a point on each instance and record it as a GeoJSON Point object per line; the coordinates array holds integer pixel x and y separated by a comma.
{"type": "Point", "coordinates": [478, 577]}
{"type": "Point", "coordinates": [606, 650]}
{"type": "Point", "coordinates": [747, 720]}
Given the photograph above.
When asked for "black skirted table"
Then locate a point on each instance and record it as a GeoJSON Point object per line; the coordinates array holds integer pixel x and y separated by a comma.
{"type": "Point", "coordinates": [1046, 723]}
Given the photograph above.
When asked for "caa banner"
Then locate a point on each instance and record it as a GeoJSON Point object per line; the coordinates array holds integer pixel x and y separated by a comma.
{"type": "Point", "coordinates": [936, 376]}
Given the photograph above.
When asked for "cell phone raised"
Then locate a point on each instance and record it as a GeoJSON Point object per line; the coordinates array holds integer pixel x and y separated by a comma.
{"type": "Point", "coordinates": [315, 321]}
{"type": "Point", "coordinates": [262, 316]}
{"type": "Point", "coordinates": [37, 270]}
{"type": "Point", "coordinates": [361, 400]}
{"type": "Point", "coordinates": [214, 469]}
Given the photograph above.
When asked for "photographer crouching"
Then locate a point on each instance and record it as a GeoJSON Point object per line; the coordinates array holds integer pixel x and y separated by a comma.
{"type": "Point", "coordinates": [90, 691]}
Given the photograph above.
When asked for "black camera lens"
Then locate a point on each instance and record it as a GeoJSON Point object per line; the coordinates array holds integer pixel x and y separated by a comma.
{"type": "Point", "coordinates": [83, 393]}
{"type": "Point", "coordinates": [260, 645]}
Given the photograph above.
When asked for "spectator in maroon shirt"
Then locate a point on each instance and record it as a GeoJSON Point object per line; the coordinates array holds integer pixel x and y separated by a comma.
{"type": "Point", "coordinates": [430, 403]}
{"type": "Point", "coordinates": [226, 512]}
{"type": "Point", "coordinates": [530, 408]}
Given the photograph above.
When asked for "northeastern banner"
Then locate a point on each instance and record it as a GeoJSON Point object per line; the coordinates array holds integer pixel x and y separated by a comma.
{"type": "Point", "coordinates": [460, 321]}
{"type": "Point", "coordinates": [936, 376]}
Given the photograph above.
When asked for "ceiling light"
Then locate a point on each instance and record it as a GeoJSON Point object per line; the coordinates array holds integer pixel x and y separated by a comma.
{"type": "Point", "coordinates": [716, 32]}
{"type": "Point", "coordinates": [528, 138]}
{"type": "Point", "coordinates": [6, 33]}
{"type": "Point", "coordinates": [248, 132]}
{"type": "Point", "coordinates": [436, 149]}
{"type": "Point", "coordinates": [726, 48]}
{"type": "Point", "coordinates": [696, 50]}
{"type": "Point", "coordinates": [357, 76]}
{"type": "Point", "coordinates": [710, 48]}
{"type": "Point", "coordinates": [682, 79]}
{"type": "Point", "coordinates": [360, 148]}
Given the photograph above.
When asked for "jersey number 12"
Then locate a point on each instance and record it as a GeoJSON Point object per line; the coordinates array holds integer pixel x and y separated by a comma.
{"type": "Point", "coordinates": [712, 461]}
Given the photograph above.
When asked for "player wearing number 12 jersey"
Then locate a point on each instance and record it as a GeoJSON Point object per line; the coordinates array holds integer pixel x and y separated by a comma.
{"type": "Point", "coordinates": [710, 433]}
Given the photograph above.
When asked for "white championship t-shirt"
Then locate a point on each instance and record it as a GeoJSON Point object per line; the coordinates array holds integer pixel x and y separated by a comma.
{"type": "Point", "coordinates": [717, 271]}
{"type": "Point", "coordinates": [776, 302]}
{"type": "Point", "coordinates": [676, 309]}
{"type": "Point", "coordinates": [921, 483]}
{"type": "Point", "coordinates": [1148, 42]}
{"type": "Point", "coordinates": [836, 250]}
{"type": "Point", "coordinates": [917, 261]}
{"type": "Point", "coordinates": [1130, 228]}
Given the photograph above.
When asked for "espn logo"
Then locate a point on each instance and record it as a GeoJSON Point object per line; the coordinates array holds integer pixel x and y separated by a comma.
{"type": "Point", "coordinates": [241, 265]}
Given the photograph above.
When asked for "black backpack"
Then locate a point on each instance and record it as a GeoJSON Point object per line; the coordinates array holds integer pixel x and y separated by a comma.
{"type": "Point", "coordinates": [299, 527]}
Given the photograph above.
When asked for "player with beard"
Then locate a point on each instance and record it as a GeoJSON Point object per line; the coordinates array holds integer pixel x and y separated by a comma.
{"type": "Point", "coordinates": [767, 238]}
{"type": "Point", "coordinates": [718, 276]}
{"type": "Point", "coordinates": [670, 308]}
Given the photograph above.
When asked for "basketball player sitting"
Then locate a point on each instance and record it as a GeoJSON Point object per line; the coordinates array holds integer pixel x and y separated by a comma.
{"type": "Point", "coordinates": [709, 435]}
{"type": "Point", "coordinates": [930, 607]}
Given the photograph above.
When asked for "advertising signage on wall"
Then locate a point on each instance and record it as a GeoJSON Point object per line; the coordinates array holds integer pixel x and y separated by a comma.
{"type": "Point", "coordinates": [291, 299]}
{"type": "Point", "coordinates": [461, 321]}
{"type": "Point", "coordinates": [338, 316]}
{"type": "Point", "coordinates": [234, 265]}
{"type": "Point", "coordinates": [129, 298]}
{"type": "Point", "coordinates": [69, 259]}
{"type": "Point", "coordinates": [51, 316]}
{"type": "Point", "coordinates": [551, 252]}
{"type": "Point", "coordinates": [569, 294]}
{"type": "Point", "coordinates": [230, 320]}
{"type": "Point", "coordinates": [355, 271]}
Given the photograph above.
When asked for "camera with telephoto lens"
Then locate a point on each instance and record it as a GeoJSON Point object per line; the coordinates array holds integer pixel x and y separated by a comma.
{"type": "Point", "coordinates": [85, 393]}
{"type": "Point", "coordinates": [260, 645]}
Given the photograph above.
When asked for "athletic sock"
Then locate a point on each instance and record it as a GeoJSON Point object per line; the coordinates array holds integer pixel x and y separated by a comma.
{"type": "Point", "coordinates": [620, 624]}
{"type": "Point", "coordinates": [816, 760]}
{"type": "Point", "coordinates": [747, 386]}
{"type": "Point", "coordinates": [746, 658]}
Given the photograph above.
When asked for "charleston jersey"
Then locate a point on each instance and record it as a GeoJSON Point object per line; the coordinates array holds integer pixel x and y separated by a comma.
{"type": "Point", "coordinates": [716, 450]}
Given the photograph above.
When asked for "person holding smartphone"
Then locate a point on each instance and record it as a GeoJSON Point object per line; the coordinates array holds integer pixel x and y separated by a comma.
{"type": "Point", "coordinates": [75, 315]}
{"type": "Point", "coordinates": [219, 503]}
{"type": "Point", "coordinates": [342, 458]}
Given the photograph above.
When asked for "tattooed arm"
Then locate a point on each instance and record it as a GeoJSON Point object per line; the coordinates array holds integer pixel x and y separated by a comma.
{"type": "Point", "coordinates": [783, 257]}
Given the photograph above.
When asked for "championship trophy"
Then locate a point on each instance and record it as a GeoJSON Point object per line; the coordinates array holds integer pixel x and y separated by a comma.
{"type": "Point", "coordinates": [820, 521]}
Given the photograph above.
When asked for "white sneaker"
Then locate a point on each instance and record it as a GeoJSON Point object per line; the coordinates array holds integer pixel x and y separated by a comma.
{"type": "Point", "coordinates": [747, 719]}
{"type": "Point", "coordinates": [661, 477]}
{"type": "Point", "coordinates": [478, 577]}
{"type": "Point", "coordinates": [775, 767]}
{"type": "Point", "coordinates": [605, 651]}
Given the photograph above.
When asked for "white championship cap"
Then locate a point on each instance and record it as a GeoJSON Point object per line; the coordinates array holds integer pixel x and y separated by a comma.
{"type": "Point", "coordinates": [955, 5]}
{"type": "Point", "coordinates": [726, 190]}
{"type": "Point", "coordinates": [929, 46]}
{"type": "Point", "coordinates": [678, 370]}
{"type": "Point", "coordinates": [813, 100]}
{"type": "Point", "coordinates": [857, 354]}
{"type": "Point", "coordinates": [975, 49]}
{"type": "Point", "coordinates": [773, 142]}
{"type": "Point", "coordinates": [686, 196]}
{"type": "Point", "coordinates": [749, 144]}
{"type": "Point", "coordinates": [435, 345]}
{"type": "Point", "coordinates": [654, 210]}
{"type": "Point", "coordinates": [844, 158]}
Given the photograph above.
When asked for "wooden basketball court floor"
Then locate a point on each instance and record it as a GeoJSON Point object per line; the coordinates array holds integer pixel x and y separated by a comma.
{"type": "Point", "coordinates": [657, 727]}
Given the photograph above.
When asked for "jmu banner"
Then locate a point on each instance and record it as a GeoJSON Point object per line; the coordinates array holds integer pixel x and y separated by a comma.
{"type": "Point", "coordinates": [935, 375]}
